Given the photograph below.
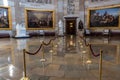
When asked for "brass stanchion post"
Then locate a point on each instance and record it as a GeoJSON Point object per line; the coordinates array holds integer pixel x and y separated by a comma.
{"type": "Point", "coordinates": [52, 51]}
{"type": "Point", "coordinates": [24, 65]}
{"type": "Point", "coordinates": [53, 48]}
{"type": "Point", "coordinates": [43, 55]}
{"type": "Point", "coordinates": [25, 75]}
{"type": "Point", "coordinates": [100, 65]}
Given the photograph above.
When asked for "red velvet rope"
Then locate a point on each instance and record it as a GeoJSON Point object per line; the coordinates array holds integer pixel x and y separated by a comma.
{"type": "Point", "coordinates": [43, 43]}
{"type": "Point", "coordinates": [46, 44]}
{"type": "Point", "coordinates": [34, 52]}
{"type": "Point", "coordinates": [96, 55]}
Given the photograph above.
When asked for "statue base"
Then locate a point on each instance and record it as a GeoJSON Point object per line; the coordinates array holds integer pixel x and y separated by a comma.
{"type": "Point", "coordinates": [25, 36]}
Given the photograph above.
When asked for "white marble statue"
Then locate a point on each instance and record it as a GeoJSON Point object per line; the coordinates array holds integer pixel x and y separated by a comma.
{"type": "Point", "coordinates": [60, 25]}
{"type": "Point", "coordinates": [21, 31]}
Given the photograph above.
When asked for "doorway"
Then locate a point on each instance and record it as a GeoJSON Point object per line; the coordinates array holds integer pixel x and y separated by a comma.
{"type": "Point", "coordinates": [70, 26]}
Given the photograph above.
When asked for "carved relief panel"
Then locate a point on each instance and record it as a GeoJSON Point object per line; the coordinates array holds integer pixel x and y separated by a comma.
{"type": "Point", "coordinates": [71, 7]}
{"type": "Point", "coordinates": [41, 1]}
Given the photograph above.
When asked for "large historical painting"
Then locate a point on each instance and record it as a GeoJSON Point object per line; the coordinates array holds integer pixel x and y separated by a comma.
{"type": "Point", "coordinates": [39, 19]}
{"type": "Point", "coordinates": [5, 18]}
{"type": "Point", "coordinates": [104, 17]}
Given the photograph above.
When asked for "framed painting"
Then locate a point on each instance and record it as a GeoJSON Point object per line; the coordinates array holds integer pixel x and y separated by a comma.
{"type": "Point", "coordinates": [39, 19]}
{"type": "Point", "coordinates": [5, 18]}
{"type": "Point", "coordinates": [104, 17]}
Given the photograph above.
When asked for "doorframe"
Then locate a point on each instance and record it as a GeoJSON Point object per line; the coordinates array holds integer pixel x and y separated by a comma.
{"type": "Point", "coordinates": [70, 18]}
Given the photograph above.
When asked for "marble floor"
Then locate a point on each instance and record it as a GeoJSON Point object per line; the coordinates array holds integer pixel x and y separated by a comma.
{"type": "Point", "coordinates": [66, 58]}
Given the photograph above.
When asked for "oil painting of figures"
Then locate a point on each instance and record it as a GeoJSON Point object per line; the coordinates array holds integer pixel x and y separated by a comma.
{"type": "Point", "coordinates": [39, 19]}
{"type": "Point", "coordinates": [4, 19]}
{"type": "Point", "coordinates": [106, 17]}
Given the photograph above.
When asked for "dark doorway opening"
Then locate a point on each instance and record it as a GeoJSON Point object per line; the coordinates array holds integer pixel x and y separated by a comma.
{"type": "Point", "coordinates": [70, 26]}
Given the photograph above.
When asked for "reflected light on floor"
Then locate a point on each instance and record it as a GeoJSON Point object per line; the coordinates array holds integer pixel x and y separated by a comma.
{"type": "Point", "coordinates": [83, 51]}
{"type": "Point", "coordinates": [71, 43]}
{"type": "Point", "coordinates": [8, 59]}
{"type": "Point", "coordinates": [51, 51]}
{"type": "Point", "coordinates": [88, 61]}
{"type": "Point", "coordinates": [11, 70]}
{"type": "Point", "coordinates": [81, 46]}
{"type": "Point", "coordinates": [56, 46]}
{"type": "Point", "coordinates": [80, 43]}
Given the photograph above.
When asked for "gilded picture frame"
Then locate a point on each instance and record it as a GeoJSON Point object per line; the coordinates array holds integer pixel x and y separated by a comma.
{"type": "Point", "coordinates": [37, 19]}
{"type": "Point", "coordinates": [104, 17]}
{"type": "Point", "coordinates": [5, 18]}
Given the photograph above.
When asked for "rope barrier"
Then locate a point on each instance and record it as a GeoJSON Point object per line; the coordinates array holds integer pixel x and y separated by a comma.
{"type": "Point", "coordinates": [46, 44]}
{"type": "Point", "coordinates": [43, 43]}
{"type": "Point", "coordinates": [34, 52]}
{"type": "Point", "coordinates": [24, 58]}
{"type": "Point", "coordinates": [96, 55]}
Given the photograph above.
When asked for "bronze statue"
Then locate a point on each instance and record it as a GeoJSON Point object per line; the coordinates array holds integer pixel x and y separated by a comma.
{"type": "Point", "coordinates": [80, 26]}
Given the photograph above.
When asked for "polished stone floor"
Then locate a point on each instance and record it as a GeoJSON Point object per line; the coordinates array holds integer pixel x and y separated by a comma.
{"type": "Point", "coordinates": [67, 58]}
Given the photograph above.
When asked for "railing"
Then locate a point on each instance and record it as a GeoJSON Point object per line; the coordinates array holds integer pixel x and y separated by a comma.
{"type": "Point", "coordinates": [34, 53]}
{"type": "Point", "coordinates": [46, 44]}
{"type": "Point", "coordinates": [95, 55]}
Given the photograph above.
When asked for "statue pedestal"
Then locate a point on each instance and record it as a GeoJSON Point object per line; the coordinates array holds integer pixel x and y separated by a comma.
{"type": "Point", "coordinates": [60, 30]}
{"type": "Point", "coordinates": [21, 32]}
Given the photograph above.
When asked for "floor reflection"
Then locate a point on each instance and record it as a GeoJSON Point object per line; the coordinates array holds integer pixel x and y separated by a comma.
{"type": "Point", "coordinates": [67, 58]}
